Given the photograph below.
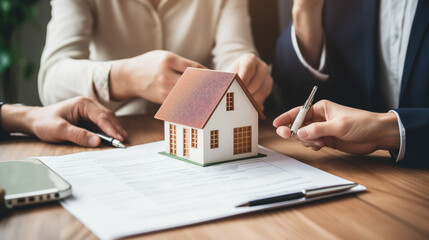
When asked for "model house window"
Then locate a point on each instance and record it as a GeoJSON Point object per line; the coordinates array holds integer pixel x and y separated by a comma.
{"type": "Point", "coordinates": [214, 139]}
{"type": "Point", "coordinates": [194, 138]}
{"type": "Point", "coordinates": [186, 142]}
{"type": "Point", "coordinates": [230, 101]}
{"type": "Point", "coordinates": [242, 140]}
{"type": "Point", "coordinates": [173, 139]}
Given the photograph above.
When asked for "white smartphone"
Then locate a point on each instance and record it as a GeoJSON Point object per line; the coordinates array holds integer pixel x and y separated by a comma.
{"type": "Point", "coordinates": [30, 181]}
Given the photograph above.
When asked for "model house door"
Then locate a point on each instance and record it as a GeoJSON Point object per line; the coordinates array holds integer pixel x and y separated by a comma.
{"type": "Point", "coordinates": [186, 142]}
{"type": "Point", "coordinates": [242, 140]}
{"type": "Point", "coordinates": [173, 139]}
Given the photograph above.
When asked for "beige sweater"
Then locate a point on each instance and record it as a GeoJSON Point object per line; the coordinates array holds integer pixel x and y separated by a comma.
{"type": "Point", "coordinates": [84, 37]}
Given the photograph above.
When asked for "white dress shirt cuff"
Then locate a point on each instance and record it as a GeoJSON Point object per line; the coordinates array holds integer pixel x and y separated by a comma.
{"type": "Point", "coordinates": [316, 72]}
{"type": "Point", "coordinates": [399, 155]}
{"type": "Point", "coordinates": [100, 80]}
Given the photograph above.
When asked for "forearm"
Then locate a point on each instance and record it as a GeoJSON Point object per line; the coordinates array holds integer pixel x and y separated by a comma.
{"type": "Point", "coordinates": [307, 21]}
{"type": "Point", "coordinates": [17, 118]}
{"type": "Point", "coordinates": [68, 78]}
{"type": "Point", "coordinates": [119, 82]}
{"type": "Point", "coordinates": [233, 34]}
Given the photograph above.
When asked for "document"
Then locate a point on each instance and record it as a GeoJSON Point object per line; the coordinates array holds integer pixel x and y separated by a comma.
{"type": "Point", "coordinates": [123, 192]}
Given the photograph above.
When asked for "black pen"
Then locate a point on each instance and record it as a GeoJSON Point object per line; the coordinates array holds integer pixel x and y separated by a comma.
{"type": "Point", "coordinates": [308, 193]}
{"type": "Point", "coordinates": [109, 141]}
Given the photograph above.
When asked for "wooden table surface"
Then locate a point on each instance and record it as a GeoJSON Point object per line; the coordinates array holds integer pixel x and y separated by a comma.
{"type": "Point", "coordinates": [395, 206]}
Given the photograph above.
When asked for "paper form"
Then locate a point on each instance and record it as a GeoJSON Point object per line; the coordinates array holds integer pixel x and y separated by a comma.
{"type": "Point", "coordinates": [122, 192]}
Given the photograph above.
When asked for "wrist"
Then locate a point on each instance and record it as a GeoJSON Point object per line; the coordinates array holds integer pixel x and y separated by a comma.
{"type": "Point", "coordinates": [388, 131]}
{"type": "Point", "coordinates": [120, 87]}
{"type": "Point", "coordinates": [17, 118]}
{"type": "Point", "coordinates": [307, 23]}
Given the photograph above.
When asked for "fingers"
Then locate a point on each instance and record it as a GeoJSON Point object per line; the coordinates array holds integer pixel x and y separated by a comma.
{"type": "Point", "coordinates": [104, 119]}
{"type": "Point", "coordinates": [283, 132]}
{"type": "Point", "coordinates": [316, 144]}
{"type": "Point", "coordinates": [246, 68]}
{"type": "Point", "coordinates": [179, 64]}
{"type": "Point", "coordinates": [261, 85]}
{"type": "Point", "coordinates": [317, 130]}
{"type": "Point", "coordinates": [286, 118]}
{"type": "Point", "coordinates": [79, 136]}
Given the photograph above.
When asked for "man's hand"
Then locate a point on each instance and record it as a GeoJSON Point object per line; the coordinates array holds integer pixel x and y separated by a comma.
{"type": "Point", "coordinates": [58, 122]}
{"type": "Point", "coordinates": [151, 76]}
{"type": "Point", "coordinates": [346, 129]}
{"type": "Point", "coordinates": [256, 76]}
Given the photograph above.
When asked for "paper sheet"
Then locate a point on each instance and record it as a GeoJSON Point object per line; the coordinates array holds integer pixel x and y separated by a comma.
{"type": "Point", "coordinates": [123, 192]}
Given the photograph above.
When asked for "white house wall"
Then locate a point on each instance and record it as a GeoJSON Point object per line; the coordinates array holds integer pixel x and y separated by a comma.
{"type": "Point", "coordinates": [196, 154]}
{"type": "Point", "coordinates": [244, 114]}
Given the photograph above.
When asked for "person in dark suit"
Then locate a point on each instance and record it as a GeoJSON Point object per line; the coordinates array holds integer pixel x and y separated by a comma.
{"type": "Point", "coordinates": [365, 54]}
{"type": "Point", "coordinates": [59, 122]}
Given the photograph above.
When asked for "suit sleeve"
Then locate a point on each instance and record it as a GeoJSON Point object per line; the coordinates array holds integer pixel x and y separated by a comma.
{"type": "Point", "coordinates": [416, 124]}
{"type": "Point", "coordinates": [293, 78]}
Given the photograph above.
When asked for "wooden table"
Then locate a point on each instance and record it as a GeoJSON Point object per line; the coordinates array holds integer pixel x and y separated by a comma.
{"type": "Point", "coordinates": [396, 205]}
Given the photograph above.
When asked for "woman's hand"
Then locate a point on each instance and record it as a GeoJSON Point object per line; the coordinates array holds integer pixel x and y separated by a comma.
{"type": "Point", "coordinates": [151, 76]}
{"type": "Point", "coordinates": [256, 76]}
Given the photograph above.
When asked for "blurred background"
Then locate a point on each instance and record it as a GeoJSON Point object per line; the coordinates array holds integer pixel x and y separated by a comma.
{"type": "Point", "coordinates": [23, 29]}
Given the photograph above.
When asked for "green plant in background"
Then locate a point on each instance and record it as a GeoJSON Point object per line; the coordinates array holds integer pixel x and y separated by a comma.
{"type": "Point", "coordinates": [13, 13]}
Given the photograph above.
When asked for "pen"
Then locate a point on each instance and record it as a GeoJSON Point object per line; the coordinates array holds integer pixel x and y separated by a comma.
{"type": "Point", "coordinates": [308, 193]}
{"type": "Point", "coordinates": [302, 113]}
{"type": "Point", "coordinates": [314, 192]}
{"type": "Point", "coordinates": [109, 141]}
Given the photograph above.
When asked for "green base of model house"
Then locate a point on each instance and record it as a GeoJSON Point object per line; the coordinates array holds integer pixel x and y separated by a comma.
{"type": "Point", "coordinates": [209, 164]}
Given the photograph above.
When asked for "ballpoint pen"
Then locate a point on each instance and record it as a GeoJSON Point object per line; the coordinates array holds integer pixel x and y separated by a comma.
{"type": "Point", "coordinates": [307, 193]}
{"type": "Point", "coordinates": [302, 113]}
{"type": "Point", "coordinates": [107, 140]}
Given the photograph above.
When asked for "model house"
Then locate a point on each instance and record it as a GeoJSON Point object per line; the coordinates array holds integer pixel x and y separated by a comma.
{"type": "Point", "coordinates": [210, 117]}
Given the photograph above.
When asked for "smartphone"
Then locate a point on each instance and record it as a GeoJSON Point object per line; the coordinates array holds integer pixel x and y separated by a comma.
{"type": "Point", "coordinates": [29, 182]}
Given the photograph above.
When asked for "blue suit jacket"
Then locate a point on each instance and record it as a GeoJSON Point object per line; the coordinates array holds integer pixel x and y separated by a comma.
{"type": "Point", "coordinates": [351, 30]}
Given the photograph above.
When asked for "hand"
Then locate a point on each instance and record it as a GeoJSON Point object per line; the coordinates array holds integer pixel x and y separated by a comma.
{"type": "Point", "coordinates": [346, 129]}
{"type": "Point", "coordinates": [58, 122]}
{"type": "Point", "coordinates": [256, 76]}
{"type": "Point", "coordinates": [151, 76]}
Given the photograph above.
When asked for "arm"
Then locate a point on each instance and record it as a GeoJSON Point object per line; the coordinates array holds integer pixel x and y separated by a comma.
{"type": "Point", "coordinates": [66, 70]}
{"type": "Point", "coordinates": [235, 51]}
{"type": "Point", "coordinates": [307, 22]}
{"type": "Point", "coordinates": [58, 122]}
{"type": "Point", "coordinates": [233, 34]}
{"type": "Point", "coordinates": [301, 55]}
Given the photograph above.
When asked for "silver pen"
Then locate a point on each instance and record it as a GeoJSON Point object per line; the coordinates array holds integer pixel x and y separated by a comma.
{"type": "Point", "coordinates": [302, 113]}
{"type": "Point", "coordinates": [107, 140]}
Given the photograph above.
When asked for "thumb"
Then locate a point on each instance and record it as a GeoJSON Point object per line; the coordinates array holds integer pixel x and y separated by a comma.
{"type": "Point", "coordinates": [81, 136]}
{"type": "Point", "coordinates": [317, 130]}
{"type": "Point", "coordinates": [179, 64]}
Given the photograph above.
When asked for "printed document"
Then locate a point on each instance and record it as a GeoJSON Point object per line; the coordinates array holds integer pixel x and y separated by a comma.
{"type": "Point", "coordinates": [123, 192]}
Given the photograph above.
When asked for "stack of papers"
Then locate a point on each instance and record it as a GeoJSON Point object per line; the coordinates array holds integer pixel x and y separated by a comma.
{"type": "Point", "coordinates": [123, 192]}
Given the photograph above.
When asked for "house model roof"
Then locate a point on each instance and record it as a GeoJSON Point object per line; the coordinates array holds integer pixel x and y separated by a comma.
{"type": "Point", "coordinates": [196, 95]}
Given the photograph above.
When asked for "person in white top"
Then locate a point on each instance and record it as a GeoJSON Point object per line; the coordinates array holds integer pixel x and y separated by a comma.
{"type": "Point", "coordinates": [130, 53]}
{"type": "Point", "coordinates": [371, 55]}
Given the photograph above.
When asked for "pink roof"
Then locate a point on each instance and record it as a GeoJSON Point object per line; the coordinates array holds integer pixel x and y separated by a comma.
{"type": "Point", "coordinates": [196, 95]}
